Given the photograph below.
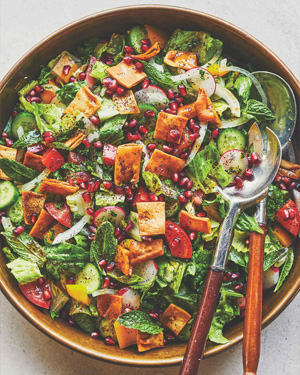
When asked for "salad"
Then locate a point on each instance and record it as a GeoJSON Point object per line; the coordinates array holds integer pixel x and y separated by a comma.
{"type": "Point", "coordinates": [109, 168]}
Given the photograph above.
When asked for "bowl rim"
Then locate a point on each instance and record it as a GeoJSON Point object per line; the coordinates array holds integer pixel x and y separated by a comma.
{"type": "Point", "coordinates": [275, 311]}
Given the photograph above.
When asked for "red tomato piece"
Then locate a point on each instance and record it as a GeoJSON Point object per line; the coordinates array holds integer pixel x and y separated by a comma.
{"type": "Point", "coordinates": [78, 177]}
{"type": "Point", "coordinates": [62, 214]}
{"type": "Point", "coordinates": [75, 158]}
{"type": "Point", "coordinates": [34, 292]}
{"type": "Point", "coordinates": [90, 81]}
{"type": "Point", "coordinates": [178, 241]}
{"type": "Point", "coordinates": [288, 216]}
{"type": "Point", "coordinates": [36, 148]}
{"type": "Point", "coordinates": [109, 154]}
{"type": "Point", "coordinates": [141, 195]}
{"type": "Point", "coordinates": [53, 160]}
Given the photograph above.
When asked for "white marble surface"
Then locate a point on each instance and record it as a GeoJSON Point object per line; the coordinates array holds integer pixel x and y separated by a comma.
{"type": "Point", "coordinates": [23, 23]}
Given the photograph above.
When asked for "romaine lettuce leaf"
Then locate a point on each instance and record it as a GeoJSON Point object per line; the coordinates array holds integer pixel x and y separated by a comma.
{"type": "Point", "coordinates": [112, 130]}
{"type": "Point", "coordinates": [223, 178]}
{"type": "Point", "coordinates": [24, 271]}
{"type": "Point", "coordinates": [247, 223]}
{"type": "Point", "coordinates": [99, 70]}
{"type": "Point", "coordinates": [68, 92]}
{"type": "Point", "coordinates": [243, 86]}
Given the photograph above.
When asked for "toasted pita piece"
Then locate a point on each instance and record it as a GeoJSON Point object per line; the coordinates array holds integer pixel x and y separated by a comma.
{"type": "Point", "coordinates": [288, 169]}
{"type": "Point", "coordinates": [32, 203]}
{"type": "Point", "coordinates": [164, 164]}
{"type": "Point", "coordinates": [58, 187]}
{"type": "Point", "coordinates": [75, 141]}
{"type": "Point", "coordinates": [54, 232]}
{"type": "Point", "coordinates": [194, 223]}
{"type": "Point", "coordinates": [85, 101]}
{"type": "Point", "coordinates": [9, 153]}
{"type": "Point", "coordinates": [166, 123]}
{"type": "Point", "coordinates": [152, 218]}
{"type": "Point", "coordinates": [175, 318]}
{"type": "Point", "coordinates": [188, 111]}
{"type": "Point", "coordinates": [42, 225]}
{"type": "Point", "coordinates": [179, 59]}
{"type": "Point", "coordinates": [157, 35]}
{"type": "Point", "coordinates": [145, 341]}
{"type": "Point", "coordinates": [59, 71]}
{"type": "Point", "coordinates": [128, 163]}
{"type": "Point", "coordinates": [126, 75]}
{"type": "Point", "coordinates": [152, 51]}
{"type": "Point", "coordinates": [283, 236]}
{"type": "Point", "coordinates": [205, 109]}
{"type": "Point", "coordinates": [109, 306]}
{"type": "Point", "coordinates": [122, 260]}
{"type": "Point", "coordinates": [139, 252]}
{"type": "Point", "coordinates": [33, 161]}
{"type": "Point", "coordinates": [126, 104]}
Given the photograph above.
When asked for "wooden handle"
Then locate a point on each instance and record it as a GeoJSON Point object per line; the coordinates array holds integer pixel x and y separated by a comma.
{"type": "Point", "coordinates": [253, 315]}
{"type": "Point", "coordinates": [206, 310]}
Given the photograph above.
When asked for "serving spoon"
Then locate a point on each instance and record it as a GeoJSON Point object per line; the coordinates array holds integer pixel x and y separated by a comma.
{"type": "Point", "coordinates": [282, 102]}
{"type": "Point", "coordinates": [239, 199]}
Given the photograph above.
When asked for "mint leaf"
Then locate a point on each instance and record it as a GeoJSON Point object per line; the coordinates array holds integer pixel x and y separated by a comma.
{"type": "Point", "coordinates": [141, 321]}
{"type": "Point", "coordinates": [285, 269]}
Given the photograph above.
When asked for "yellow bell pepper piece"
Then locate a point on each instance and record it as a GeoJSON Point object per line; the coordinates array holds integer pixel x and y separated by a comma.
{"type": "Point", "coordinates": [79, 293]}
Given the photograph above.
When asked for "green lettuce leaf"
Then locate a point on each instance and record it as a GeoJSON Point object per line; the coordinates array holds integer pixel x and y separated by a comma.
{"type": "Point", "coordinates": [112, 130]}
{"type": "Point", "coordinates": [215, 227]}
{"type": "Point", "coordinates": [285, 269]}
{"type": "Point", "coordinates": [223, 178]}
{"type": "Point", "coordinates": [17, 171]}
{"type": "Point", "coordinates": [247, 223]}
{"type": "Point", "coordinates": [239, 239]}
{"type": "Point", "coordinates": [275, 200]}
{"type": "Point", "coordinates": [220, 203]}
{"type": "Point", "coordinates": [24, 271]}
{"type": "Point", "coordinates": [243, 86]}
{"type": "Point", "coordinates": [141, 321]}
{"type": "Point", "coordinates": [99, 70]}
{"type": "Point", "coordinates": [68, 92]}
{"type": "Point", "coordinates": [258, 111]}
{"type": "Point", "coordinates": [157, 77]}
{"type": "Point", "coordinates": [153, 183]}
{"type": "Point", "coordinates": [171, 272]}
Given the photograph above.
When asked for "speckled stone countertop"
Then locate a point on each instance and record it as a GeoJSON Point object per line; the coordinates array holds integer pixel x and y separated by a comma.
{"type": "Point", "coordinates": [26, 351]}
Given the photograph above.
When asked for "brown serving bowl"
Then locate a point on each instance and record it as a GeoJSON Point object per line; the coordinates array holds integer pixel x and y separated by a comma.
{"type": "Point", "coordinates": [238, 45]}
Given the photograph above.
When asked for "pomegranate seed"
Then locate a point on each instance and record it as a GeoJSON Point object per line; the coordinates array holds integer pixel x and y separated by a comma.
{"type": "Point", "coordinates": [145, 83]}
{"type": "Point", "coordinates": [47, 134]}
{"type": "Point", "coordinates": [109, 341]}
{"type": "Point", "coordinates": [154, 315]}
{"type": "Point", "coordinates": [201, 214]}
{"type": "Point", "coordinates": [129, 226]}
{"type": "Point", "coordinates": [128, 59]}
{"type": "Point", "coordinates": [95, 335]}
{"type": "Point", "coordinates": [110, 266]}
{"type": "Point", "coordinates": [128, 49]}
{"type": "Point", "coordinates": [149, 114]}
{"type": "Point", "coordinates": [235, 276]}
{"type": "Point", "coordinates": [169, 337]}
{"type": "Point", "coordinates": [86, 197]}
{"type": "Point", "coordinates": [182, 89]}
{"type": "Point", "coordinates": [249, 174]}
{"type": "Point", "coordinates": [82, 76]}
{"type": "Point", "coordinates": [188, 194]}
{"type": "Point", "coordinates": [18, 230]}
{"type": "Point", "coordinates": [49, 139]}
{"type": "Point", "coordinates": [192, 236]}
{"type": "Point", "coordinates": [86, 142]}
{"type": "Point", "coordinates": [161, 198]}
{"type": "Point", "coordinates": [155, 265]}
{"type": "Point", "coordinates": [72, 79]}
{"type": "Point", "coordinates": [83, 185]}
{"type": "Point", "coordinates": [109, 61]}
{"type": "Point", "coordinates": [36, 99]}
{"type": "Point", "coordinates": [106, 81]}
{"type": "Point", "coordinates": [32, 92]}
{"type": "Point", "coordinates": [71, 322]}
{"type": "Point", "coordinates": [15, 113]}
{"type": "Point", "coordinates": [215, 133]}
{"type": "Point", "coordinates": [106, 282]}
{"type": "Point", "coordinates": [122, 291]}
{"type": "Point", "coordinates": [128, 190]}
{"type": "Point", "coordinates": [227, 276]}
{"type": "Point", "coordinates": [275, 269]}
{"type": "Point", "coordinates": [139, 66]}
{"type": "Point", "coordinates": [114, 285]}
{"type": "Point", "coordinates": [102, 263]}
{"type": "Point", "coordinates": [97, 184]}
{"type": "Point", "coordinates": [193, 137]}
{"type": "Point", "coordinates": [175, 177]}
{"type": "Point", "coordinates": [41, 281]}
{"type": "Point", "coordinates": [238, 287]}
{"type": "Point", "coordinates": [8, 142]}
{"type": "Point", "coordinates": [33, 218]}
{"type": "Point", "coordinates": [255, 159]}
{"type": "Point", "coordinates": [98, 144]}
{"type": "Point", "coordinates": [28, 98]}
{"type": "Point", "coordinates": [147, 238]}
{"type": "Point", "coordinates": [173, 106]}
{"type": "Point", "coordinates": [95, 120]}
{"type": "Point", "coordinates": [91, 186]}
{"type": "Point", "coordinates": [107, 185]}
{"type": "Point", "coordinates": [145, 41]}
{"type": "Point", "coordinates": [282, 186]}
{"type": "Point", "coordinates": [92, 228]}
{"type": "Point", "coordinates": [286, 214]}
{"type": "Point", "coordinates": [286, 180]}
{"type": "Point", "coordinates": [66, 70]}
{"type": "Point", "coordinates": [151, 146]}
{"type": "Point", "coordinates": [143, 129]}
{"type": "Point", "coordinates": [153, 197]}
{"type": "Point", "coordinates": [121, 90]}
{"type": "Point", "coordinates": [47, 294]}
{"type": "Point", "coordinates": [292, 185]}
{"type": "Point", "coordinates": [132, 123]}
{"type": "Point", "coordinates": [91, 237]}
{"type": "Point", "coordinates": [196, 129]}
{"type": "Point", "coordinates": [168, 149]}
{"type": "Point", "coordinates": [277, 178]}
{"type": "Point", "coordinates": [189, 185]}
{"type": "Point", "coordinates": [144, 47]}
{"type": "Point", "coordinates": [90, 211]}
{"type": "Point", "coordinates": [247, 242]}
{"type": "Point", "coordinates": [179, 100]}
{"type": "Point", "coordinates": [4, 135]}
{"type": "Point", "coordinates": [39, 89]}
{"type": "Point", "coordinates": [174, 134]}
{"type": "Point", "coordinates": [113, 85]}
{"type": "Point", "coordinates": [117, 232]}
{"type": "Point", "coordinates": [171, 111]}
{"type": "Point", "coordinates": [183, 181]}
{"type": "Point", "coordinates": [184, 155]}
{"type": "Point", "coordinates": [238, 181]}
{"type": "Point", "coordinates": [170, 94]}
{"type": "Point", "coordinates": [181, 198]}
{"type": "Point", "coordinates": [127, 309]}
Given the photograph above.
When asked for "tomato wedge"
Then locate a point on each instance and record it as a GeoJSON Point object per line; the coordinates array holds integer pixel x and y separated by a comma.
{"type": "Point", "coordinates": [62, 214]}
{"type": "Point", "coordinates": [288, 216]}
{"type": "Point", "coordinates": [36, 148]}
{"type": "Point", "coordinates": [141, 195]}
{"type": "Point", "coordinates": [78, 177]}
{"type": "Point", "coordinates": [75, 158]}
{"type": "Point", "coordinates": [178, 241]}
{"type": "Point", "coordinates": [109, 154]}
{"type": "Point", "coordinates": [53, 160]}
{"type": "Point", "coordinates": [34, 292]}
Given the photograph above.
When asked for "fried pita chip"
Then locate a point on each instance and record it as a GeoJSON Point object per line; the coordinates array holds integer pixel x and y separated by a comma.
{"type": "Point", "coordinates": [32, 203]}
{"type": "Point", "coordinates": [164, 164]}
{"type": "Point", "coordinates": [58, 187]}
{"type": "Point", "coordinates": [152, 218]}
{"type": "Point", "coordinates": [205, 109]}
{"type": "Point", "coordinates": [182, 60]}
{"type": "Point", "coordinates": [59, 68]}
{"type": "Point", "coordinates": [42, 225]}
{"type": "Point", "coordinates": [75, 141]}
{"type": "Point", "coordinates": [152, 51]}
{"type": "Point", "coordinates": [126, 104]}
{"type": "Point", "coordinates": [167, 123]}
{"type": "Point", "coordinates": [85, 101]}
{"type": "Point", "coordinates": [33, 161]}
{"type": "Point", "coordinates": [139, 252]}
{"type": "Point", "coordinates": [128, 163]}
{"type": "Point", "coordinates": [126, 75]}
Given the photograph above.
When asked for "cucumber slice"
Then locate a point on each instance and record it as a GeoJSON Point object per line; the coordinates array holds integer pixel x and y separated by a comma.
{"type": "Point", "coordinates": [15, 212]}
{"type": "Point", "coordinates": [8, 194]}
{"type": "Point", "coordinates": [86, 322]}
{"type": "Point", "coordinates": [23, 123]}
{"type": "Point", "coordinates": [230, 139]}
{"type": "Point", "coordinates": [107, 328]}
{"type": "Point", "coordinates": [137, 33]}
{"type": "Point", "coordinates": [90, 277]}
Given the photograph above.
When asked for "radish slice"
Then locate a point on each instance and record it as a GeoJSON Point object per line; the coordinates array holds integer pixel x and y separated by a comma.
{"type": "Point", "coordinates": [101, 292]}
{"type": "Point", "coordinates": [131, 299]}
{"type": "Point", "coordinates": [229, 98]}
{"type": "Point", "coordinates": [271, 277]}
{"type": "Point", "coordinates": [70, 233]}
{"type": "Point", "coordinates": [147, 270]}
{"type": "Point", "coordinates": [234, 162]}
{"type": "Point", "coordinates": [198, 77]}
{"type": "Point", "coordinates": [153, 95]}
{"type": "Point", "coordinates": [198, 142]}
{"type": "Point", "coordinates": [113, 214]}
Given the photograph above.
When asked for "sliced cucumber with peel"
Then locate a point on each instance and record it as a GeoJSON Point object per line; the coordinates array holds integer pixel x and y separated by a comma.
{"type": "Point", "coordinates": [231, 139]}
{"type": "Point", "coordinates": [15, 212]}
{"type": "Point", "coordinates": [107, 328]}
{"type": "Point", "coordinates": [8, 194]}
{"type": "Point", "coordinates": [23, 123]}
{"type": "Point", "coordinates": [89, 276]}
